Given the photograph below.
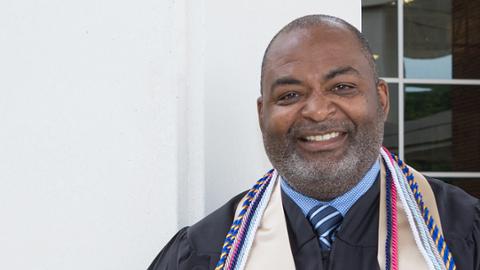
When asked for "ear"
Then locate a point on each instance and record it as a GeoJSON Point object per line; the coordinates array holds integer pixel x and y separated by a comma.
{"type": "Point", "coordinates": [384, 99]}
{"type": "Point", "coordinates": [260, 112]}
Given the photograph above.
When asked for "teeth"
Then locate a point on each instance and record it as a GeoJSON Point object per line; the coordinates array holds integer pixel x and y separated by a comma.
{"type": "Point", "coordinates": [320, 138]}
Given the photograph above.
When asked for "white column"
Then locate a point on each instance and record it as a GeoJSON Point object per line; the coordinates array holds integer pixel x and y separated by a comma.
{"type": "Point", "coordinates": [94, 114]}
{"type": "Point", "coordinates": [190, 61]}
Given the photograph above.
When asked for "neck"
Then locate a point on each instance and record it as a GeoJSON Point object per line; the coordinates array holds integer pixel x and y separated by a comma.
{"type": "Point", "coordinates": [329, 188]}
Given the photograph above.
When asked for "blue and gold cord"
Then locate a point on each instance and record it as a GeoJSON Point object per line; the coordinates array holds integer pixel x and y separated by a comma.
{"type": "Point", "coordinates": [232, 233]}
{"type": "Point", "coordinates": [435, 233]}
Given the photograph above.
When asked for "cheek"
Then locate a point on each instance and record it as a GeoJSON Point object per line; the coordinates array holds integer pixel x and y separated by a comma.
{"type": "Point", "coordinates": [365, 115]}
{"type": "Point", "coordinates": [279, 121]}
{"type": "Point", "coordinates": [358, 111]}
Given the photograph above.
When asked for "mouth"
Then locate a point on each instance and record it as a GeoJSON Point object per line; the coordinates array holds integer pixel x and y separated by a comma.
{"type": "Point", "coordinates": [325, 141]}
{"type": "Point", "coordinates": [321, 138]}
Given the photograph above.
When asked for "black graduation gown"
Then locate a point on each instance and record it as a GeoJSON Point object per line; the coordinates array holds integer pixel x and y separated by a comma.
{"type": "Point", "coordinates": [355, 247]}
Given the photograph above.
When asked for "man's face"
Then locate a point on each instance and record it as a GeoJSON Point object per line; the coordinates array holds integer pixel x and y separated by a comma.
{"type": "Point", "coordinates": [321, 111]}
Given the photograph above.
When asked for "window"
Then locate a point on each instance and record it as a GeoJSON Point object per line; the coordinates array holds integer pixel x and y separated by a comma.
{"type": "Point", "coordinates": [428, 51]}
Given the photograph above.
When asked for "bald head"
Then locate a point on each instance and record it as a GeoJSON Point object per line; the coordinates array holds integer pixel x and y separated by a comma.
{"type": "Point", "coordinates": [316, 21]}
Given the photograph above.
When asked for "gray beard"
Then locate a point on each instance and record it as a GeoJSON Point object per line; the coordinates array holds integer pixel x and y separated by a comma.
{"type": "Point", "coordinates": [325, 179]}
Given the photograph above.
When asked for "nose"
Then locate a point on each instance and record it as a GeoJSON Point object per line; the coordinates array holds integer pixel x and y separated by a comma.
{"type": "Point", "coordinates": [318, 108]}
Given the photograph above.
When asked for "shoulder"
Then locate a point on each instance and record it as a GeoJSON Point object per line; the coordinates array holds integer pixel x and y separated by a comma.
{"type": "Point", "coordinates": [200, 244]}
{"type": "Point", "coordinates": [460, 218]}
{"type": "Point", "coordinates": [208, 234]}
{"type": "Point", "coordinates": [459, 211]}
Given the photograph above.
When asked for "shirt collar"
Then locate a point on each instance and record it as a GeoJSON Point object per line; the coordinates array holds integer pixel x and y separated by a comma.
{"type": "Point", "coordinates": [342, 203]}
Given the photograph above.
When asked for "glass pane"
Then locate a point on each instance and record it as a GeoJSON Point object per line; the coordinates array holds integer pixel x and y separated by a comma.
{"type": "Point", "coordinates": [442, 127]}
{"type": "Point", "coordinates": [442, 40]}
{"type": "Point", "coordinates": [390, 137]}
{"type": "Point", "coordinates": [470, 185]}
{"type": "Point", "coordinates": [379, 25]}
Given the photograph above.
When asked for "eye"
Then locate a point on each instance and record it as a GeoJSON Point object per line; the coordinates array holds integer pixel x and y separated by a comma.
{"type": "Point", "coordinates": [344, 89]}
{"type": "Point", "coordinates": [288, 98]}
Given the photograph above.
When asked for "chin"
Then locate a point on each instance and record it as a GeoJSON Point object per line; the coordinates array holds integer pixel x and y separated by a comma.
{"type": "Point", "coordinates": [334, 156]}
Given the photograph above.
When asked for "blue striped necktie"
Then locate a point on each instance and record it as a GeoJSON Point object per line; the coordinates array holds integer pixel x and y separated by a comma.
{"type": "Point", "coordinates": [325, 220]}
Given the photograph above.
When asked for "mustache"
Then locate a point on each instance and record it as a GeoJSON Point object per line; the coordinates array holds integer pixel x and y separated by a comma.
{"type": "Point", "coordinates": [299, 129]}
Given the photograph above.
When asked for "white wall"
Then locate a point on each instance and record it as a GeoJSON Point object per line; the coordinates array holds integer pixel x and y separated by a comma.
{"type": "Point", "coordinates": [88, 133]}
{"type": "Point", "coordinates": [112, 114]}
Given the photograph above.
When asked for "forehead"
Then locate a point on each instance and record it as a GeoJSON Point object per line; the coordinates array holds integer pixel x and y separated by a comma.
{"type": "Point", "coordinates": [321, 47]}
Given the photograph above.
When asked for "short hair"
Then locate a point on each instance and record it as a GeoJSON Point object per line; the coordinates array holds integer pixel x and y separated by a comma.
{"type": "Point", "coordinates": [310, 21]}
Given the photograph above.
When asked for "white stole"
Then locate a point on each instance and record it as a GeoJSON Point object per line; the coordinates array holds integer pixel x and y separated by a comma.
{"type": "Point", "coordinates": [271, 246]}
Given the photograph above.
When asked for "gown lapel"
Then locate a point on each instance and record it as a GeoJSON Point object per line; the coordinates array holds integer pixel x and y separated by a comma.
{"type": "Point", "coordinates": [355, 246]}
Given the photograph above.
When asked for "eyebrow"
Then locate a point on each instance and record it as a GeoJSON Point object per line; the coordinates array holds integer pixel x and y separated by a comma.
{"type": "Point", "coordinates": [288, 80]}
{"type": "Point", "coordinates": [340, 71]}
{"type": "Point", "coordinates": [285, 81]}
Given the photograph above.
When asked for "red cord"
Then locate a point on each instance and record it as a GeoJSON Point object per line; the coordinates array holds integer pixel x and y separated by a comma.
{"type": "Point", "coordinates": [394, 227]}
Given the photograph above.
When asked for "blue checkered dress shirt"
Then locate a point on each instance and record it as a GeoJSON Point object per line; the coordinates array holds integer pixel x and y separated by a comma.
{"type": "Point", "coordinates": [342, 203]}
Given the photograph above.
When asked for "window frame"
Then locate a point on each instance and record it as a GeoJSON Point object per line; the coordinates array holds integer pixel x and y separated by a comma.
{"type": "Point", "coordinates": [401, 81]}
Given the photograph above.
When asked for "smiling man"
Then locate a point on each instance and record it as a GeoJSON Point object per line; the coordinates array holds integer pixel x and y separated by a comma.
{"type": "Point", "coordinates": [335, 199]}
{"type": "Point", "coordinates": [322, 108]}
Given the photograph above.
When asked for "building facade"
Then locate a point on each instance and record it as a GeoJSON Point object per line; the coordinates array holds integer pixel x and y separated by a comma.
{"type": "Point", "coordinates": [428, 51]}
